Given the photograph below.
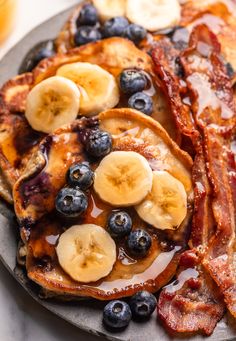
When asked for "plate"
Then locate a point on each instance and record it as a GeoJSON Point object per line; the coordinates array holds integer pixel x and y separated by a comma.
{"type": "Point", "coordinates": [86, 314]}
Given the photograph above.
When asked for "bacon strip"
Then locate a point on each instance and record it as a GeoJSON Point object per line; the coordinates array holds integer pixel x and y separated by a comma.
{"type": "Point", "coordinates": [194, 303]}
{"type": "Point", "coordinates": [190, 303]}
{"type": "Point", "coordinates": [220, 258]}
{"type": "Point", "coordinates": [215, 119]}
{"type": "Point", "coordinates": [202, 222]}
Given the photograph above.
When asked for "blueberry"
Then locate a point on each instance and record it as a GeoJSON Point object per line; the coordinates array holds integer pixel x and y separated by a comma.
{"type": "Point", "coordinates": [117, 314]}
{"type": "Point", "coordinates": [39, 52]}
{"type": "Point", "coordinates": [143, 304]}
{"type": "Point", "coordinates": [115, 27]}
{"type": "Point", "coordinates": [135, 32]}
{"type": "Point", "coordinates": [86, 34]}
{"type": "Point", "coordinates": [229, 70]}
{"type": "Point", "coordinates": [71, 202]}
{"type": "Point", "coordinates": [132, 81]}
{"type": "Point", "coordinates": [139, 242]}
{"type": "Point", "coordinates": [88, 16]}
{"type": "Point", "coordinates": [80, 175]}
{"type": "Point", "coordinates": [119, 224]}
{"type": "Point", "coordinates": [142, 102]}
{"type": "Point", "coordinates": [98, 143]}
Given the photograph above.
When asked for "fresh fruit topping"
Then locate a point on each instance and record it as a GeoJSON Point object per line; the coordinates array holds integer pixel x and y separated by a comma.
{"type": "Point", "coordinates": [123, 178]}
{"type": "Point", "coordinates": [108, 9]}
{"type": "Point", "coordinates": [52, 103]}
{"type": "Point", "coordinates": [80, 175]}
{"type": "Point", "coordinates": [98, 143]}
{"type": "Point", "coordinates": [71, 202]}
{"type": "Point", "coordinates": [139, 242]}
{"type": "Point", "coordinates": [166, 206]}
{"type": "Point", "coordinates": [154, 14]}
{"type": "Point", "coordinates": [87, 34]}
{"type": "Point", "coordinates": [88, 16]}
{"type": "Point", "coordinates": [117, 314]}
{"type": "Point", "coordinates": [99, 89]}
{"type": "Point", "coordinates": [229, 69]}
{"type": "Point", "coordinates": [142, 102]}
{"type": "Point", "coordinates": [119, 224]}
{"type": "Point", "coordinates": [115, 27]}
{"type": "Point", "coordinates": [42, 50]}
{"type": "Point", "coordinates": [135, 32]}
{"type": "Point", "coordinates": [143, 304]}
{"type": "Point", "coordinates": [86, 252]}
{"type": "Point", "coordinates": [132, 81]}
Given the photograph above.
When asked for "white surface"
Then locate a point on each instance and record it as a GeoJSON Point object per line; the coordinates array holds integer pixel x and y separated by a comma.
{"type": "Point", "coordinates": [22, 319]}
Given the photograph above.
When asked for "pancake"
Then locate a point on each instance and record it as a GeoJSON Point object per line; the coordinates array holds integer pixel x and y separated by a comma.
{"type": "Point", "coordinates": [34, 196]}
{"type": "Point", "coordinates": [115, 55]}
{"type": "Point", "coordinates": [18, 139]}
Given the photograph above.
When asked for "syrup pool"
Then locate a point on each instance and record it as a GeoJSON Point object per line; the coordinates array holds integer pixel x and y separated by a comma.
{"type": "Point", "coordinates": [150, 274]}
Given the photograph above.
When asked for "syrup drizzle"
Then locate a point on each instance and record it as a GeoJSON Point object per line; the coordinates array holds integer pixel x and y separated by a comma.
{"type": "Point", "coordinates": [96, 211]}
{"type": "Point", "coordinates": [207, 97]}
{"type": "Point", "coordinates": [124, 258]}
{"type": "Point", "coordinates": [52, 239]}
{"type": "Point", "coordinates": [183, 277]}
{"type": "Point", "coordinates": [151, 273]}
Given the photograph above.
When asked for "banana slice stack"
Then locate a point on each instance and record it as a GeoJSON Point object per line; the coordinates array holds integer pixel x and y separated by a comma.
{"type": "Point", "coordinates": [151, 14]}
{"type": "Point", "coordinates": [126, 179]}
{"type": "Point", "coordinates": [77, 89]}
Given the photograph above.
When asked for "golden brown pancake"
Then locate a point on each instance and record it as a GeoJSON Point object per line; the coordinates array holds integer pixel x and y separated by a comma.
{"type": "Point", "coordinates": [34, 197]}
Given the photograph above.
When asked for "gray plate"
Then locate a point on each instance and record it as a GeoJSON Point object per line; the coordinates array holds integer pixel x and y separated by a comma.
{"type": "Point", "coordinates": [84, 314]}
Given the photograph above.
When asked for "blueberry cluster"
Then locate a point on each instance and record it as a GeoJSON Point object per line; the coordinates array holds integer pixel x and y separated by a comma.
{"type": "Point", "coordinates": [71, 201]}
{"type": "Point", "coordinates": [117, 314]}
{"type": "Point", "coordinates": [119, 225]}
{"type": "Point", "coordinates": [89, 29]}
{"type": "Point", "coordinates": [134, 82]}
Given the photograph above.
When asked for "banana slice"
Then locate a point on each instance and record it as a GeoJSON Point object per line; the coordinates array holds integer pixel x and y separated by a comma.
{"type": "Point", "coordinates": [154, 14]}
{"type": "Point", "coordinates": [86, 252]}
{"type": "Point", "coordinates": [52, 103]}
{"type": "Point", "coordinates": [99, 89]}
{"type": "Point", "coordinates": [166, 206]}
{"type": "Point", "coordinates": [108, 9]}
{"type": "Point", "coordinates": [123, 178]}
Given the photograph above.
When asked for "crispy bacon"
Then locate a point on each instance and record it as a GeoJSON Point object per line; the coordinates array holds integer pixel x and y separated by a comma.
{"type": "Point", "coordinates": [171, 87]}
{"type": "Point", "coordinates": [216, 121]}
{"type": "Point", "coordinates": [190, 303]}
{"type": "Point", "coordinates": [202, 222]}
{"type": "Point", "coordinates": [195, 305]}
{"type": "Point", "coordinates": [209, 85]}
{"type": "Point", "coordinates": [220, 258]}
